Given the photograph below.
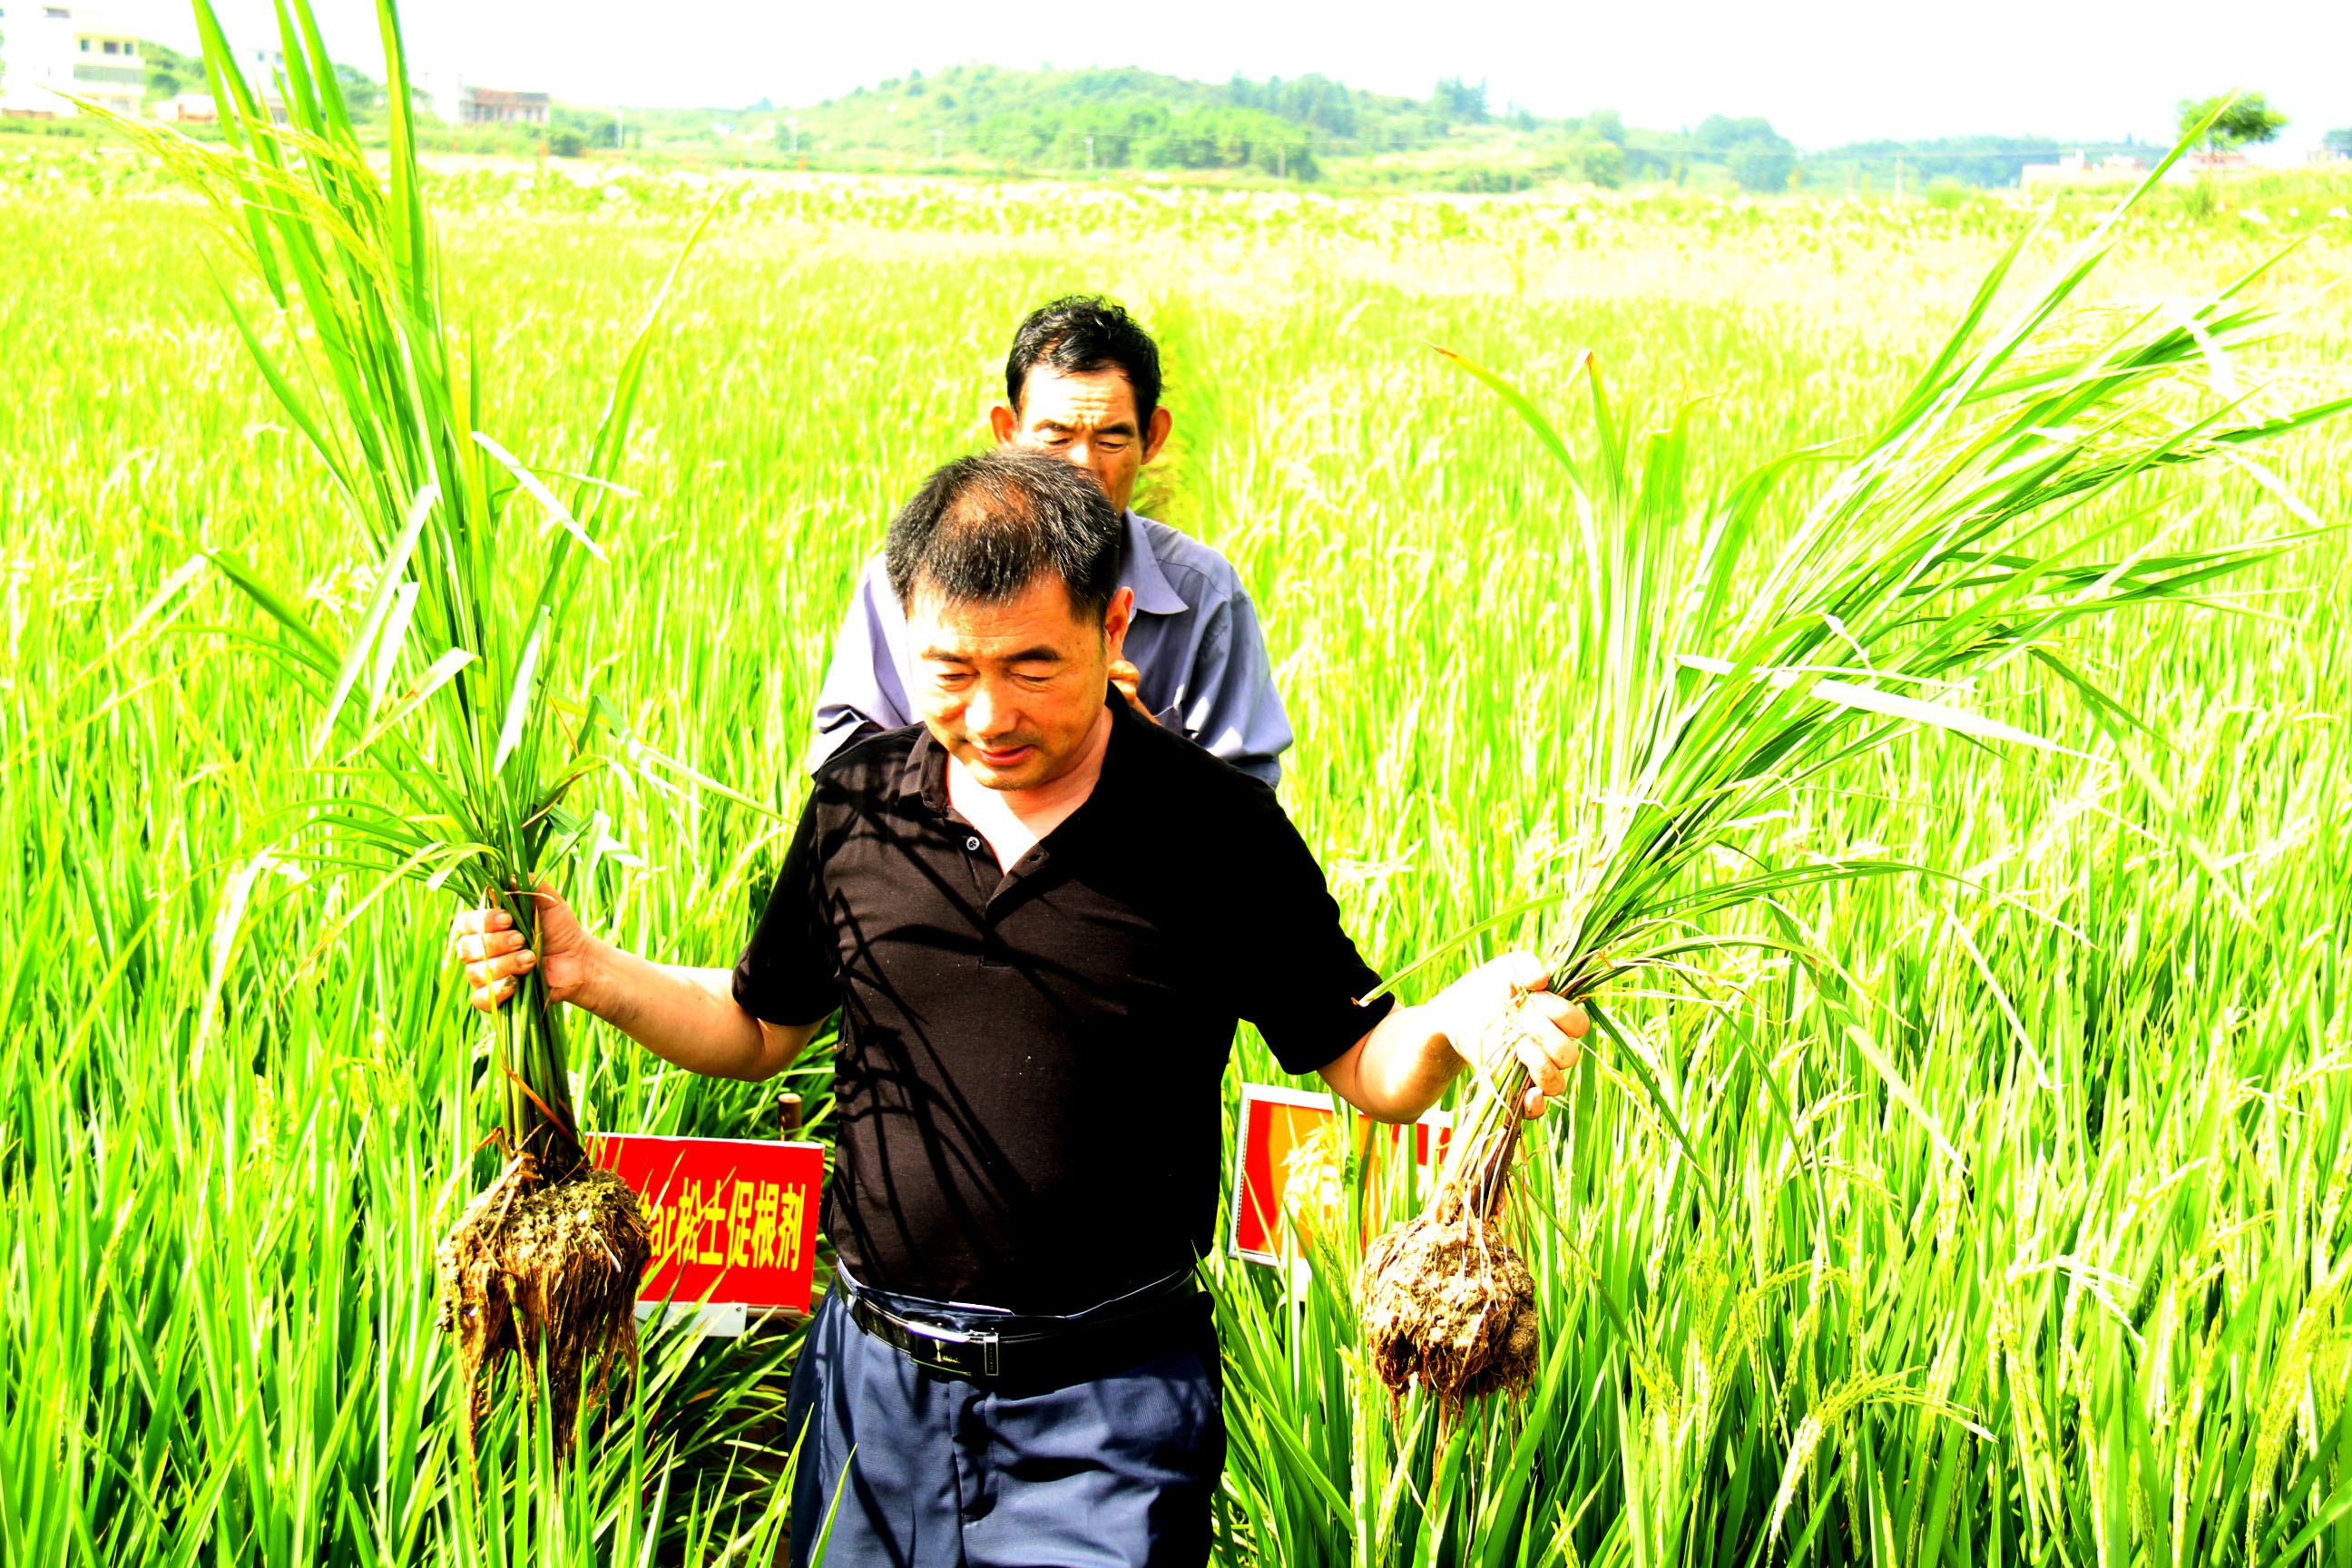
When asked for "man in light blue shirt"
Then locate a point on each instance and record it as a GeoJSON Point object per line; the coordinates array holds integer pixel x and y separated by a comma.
{"type": "Point", "coordinates": [1082, 383]}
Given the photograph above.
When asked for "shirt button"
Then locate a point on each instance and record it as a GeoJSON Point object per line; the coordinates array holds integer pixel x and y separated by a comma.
{"type": "Point", "coordinates": [972, 843]}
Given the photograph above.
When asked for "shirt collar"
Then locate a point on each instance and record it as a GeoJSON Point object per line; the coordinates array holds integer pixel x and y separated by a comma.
{"type": "Point", "coordinates": [1140, 571]}
{"type": "Point", "coordinates": [925, 772]}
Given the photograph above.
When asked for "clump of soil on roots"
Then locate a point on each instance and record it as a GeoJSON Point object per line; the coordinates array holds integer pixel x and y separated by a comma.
{"type": "Point", "coordinates": [544, 1269]}
{"type": "Point", "coordinates": [1449, 1304]}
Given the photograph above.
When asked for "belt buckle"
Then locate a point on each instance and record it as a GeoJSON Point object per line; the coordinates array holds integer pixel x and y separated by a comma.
{"type": "Point", "coordinates": [954, 1354]}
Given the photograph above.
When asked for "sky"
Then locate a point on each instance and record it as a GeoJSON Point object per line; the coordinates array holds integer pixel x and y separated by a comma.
{"type": "Point", "coordinates": [1822, 72]}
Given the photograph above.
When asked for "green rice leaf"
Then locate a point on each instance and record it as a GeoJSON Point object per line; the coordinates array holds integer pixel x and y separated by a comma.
{"type": "Point", "coordinates": [438, 674]}
{"type": "Point", "coordinates": [388, 584]}
{"type": "Point", "coordinates": [306, 645]}
{"type": "Point", "coordinates": [519, 699]}
{"type": "Point", "coordinates": [557, 512]}
{"type": "Point", "coordinates": [1887, 704]}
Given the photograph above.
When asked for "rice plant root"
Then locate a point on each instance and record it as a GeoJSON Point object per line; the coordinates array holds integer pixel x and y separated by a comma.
{"type": "Point", "coordinates": [1449, 1304]}
{"type": "Point", "coordinates": [548, 1271]}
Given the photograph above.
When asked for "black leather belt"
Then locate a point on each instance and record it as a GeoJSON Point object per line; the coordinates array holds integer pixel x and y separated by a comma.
{"type": "Point", "coordinates": [1161, 1318]}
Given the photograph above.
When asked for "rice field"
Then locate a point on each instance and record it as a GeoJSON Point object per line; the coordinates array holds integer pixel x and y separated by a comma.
{"type": "Point", "coordinates": [2026, 1241]}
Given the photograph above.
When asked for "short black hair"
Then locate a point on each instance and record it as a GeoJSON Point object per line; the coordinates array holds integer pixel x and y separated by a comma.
{"type": "Point", "coordinates": [983, 529]}
{"type": "Point", "coordinates": [1081, 334]}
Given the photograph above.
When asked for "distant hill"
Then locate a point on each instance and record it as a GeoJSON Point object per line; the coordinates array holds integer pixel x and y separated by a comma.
{"type": "Point", "coordinates": [1122, 119]}
{"type": "Point", "coordinates": [1312, 129]}
{"type": "Point", "coordinates": [1303, 129]}
{"type": "Point", "coordinates": [1308, 129]}
{"type": "Point", "coordinates": [1071, 119]}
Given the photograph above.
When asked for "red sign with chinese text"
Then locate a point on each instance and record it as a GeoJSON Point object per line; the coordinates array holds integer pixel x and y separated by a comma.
{"type": "Point", "coordinates": [1289, 1166]}
{"type": "Point", "coordinates": [734, 1219]}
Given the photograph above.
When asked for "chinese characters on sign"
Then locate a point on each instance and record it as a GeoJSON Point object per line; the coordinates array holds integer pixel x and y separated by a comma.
{"type": "Point", "coordinates": [734, 1220]}
{"type": "Point", "coordinates": [735, 1224]}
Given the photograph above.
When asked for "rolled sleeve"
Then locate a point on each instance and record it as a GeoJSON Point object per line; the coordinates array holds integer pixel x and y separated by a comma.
{"type": "Point", "coordinates": [791, 971]}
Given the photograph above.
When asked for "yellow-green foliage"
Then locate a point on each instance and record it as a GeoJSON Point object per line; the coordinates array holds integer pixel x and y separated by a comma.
{"type": "Point", "coordinates": [2096, 1313]}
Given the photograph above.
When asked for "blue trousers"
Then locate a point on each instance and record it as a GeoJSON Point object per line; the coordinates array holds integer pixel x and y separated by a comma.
{"type": "Point", "coordinates": [917, 1468]}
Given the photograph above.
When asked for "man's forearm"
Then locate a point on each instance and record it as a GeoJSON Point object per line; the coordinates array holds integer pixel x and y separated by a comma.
{"type": "Point", "coordinates": [1399, 1067]}
{"type": "Point", "coordinates": [1404, 1062]}
{"type": "Point", "coordinates": [688, 1017]}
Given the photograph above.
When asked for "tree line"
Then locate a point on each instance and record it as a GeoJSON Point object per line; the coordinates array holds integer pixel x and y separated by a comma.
{"type": "Point", "coordinates": [1294, 128]}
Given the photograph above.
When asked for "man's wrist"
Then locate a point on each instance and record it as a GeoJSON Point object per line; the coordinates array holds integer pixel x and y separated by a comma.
{"type": "Point", "coordinates": [1451, 1030]}
{"type": "Point", "coordinates": [1466, 1022]}
{"type": "Point", "coordinates": [1436, 1060]}
{"type": "Point", "coordinates": [594, 991]}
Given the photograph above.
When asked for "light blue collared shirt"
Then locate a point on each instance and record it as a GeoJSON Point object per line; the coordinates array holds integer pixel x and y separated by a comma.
{"type": "Point", "coordinates": [1196, 640]}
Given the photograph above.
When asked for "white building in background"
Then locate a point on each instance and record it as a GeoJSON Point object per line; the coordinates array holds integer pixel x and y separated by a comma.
{"type": "Point", "coordinates": [48, 49]}
{"type": "Point", "coordinates": [498, 106]}
{"type": "Point", "coordinates": [2076, 169]}
{"type": "Point", "coordinates": [456, 102]}
{"type": "Point", "coordinates": [190, 109]}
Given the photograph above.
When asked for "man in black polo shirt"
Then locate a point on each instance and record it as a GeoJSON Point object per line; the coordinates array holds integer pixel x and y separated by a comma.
{"type": "Point", "coordinates": [1039, 917]}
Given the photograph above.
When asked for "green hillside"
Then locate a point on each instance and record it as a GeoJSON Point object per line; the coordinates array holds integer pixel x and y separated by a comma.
{"type": "Point", "coordinates": [1308, 129]}
{"type": "Point", "coordinates": [987, 119]}
{"type": "Point", "coordinates": [1128, 119]}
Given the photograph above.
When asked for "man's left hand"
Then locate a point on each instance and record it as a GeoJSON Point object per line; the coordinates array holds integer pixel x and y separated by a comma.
{"type": "Point", "coordinates": [1505, 1011]}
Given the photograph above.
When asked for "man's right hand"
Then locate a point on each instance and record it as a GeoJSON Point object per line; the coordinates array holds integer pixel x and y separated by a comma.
{"type": "Point", "coordinates": [495, 957]}
{"type": "Point", "coordinates": [688, 1017]}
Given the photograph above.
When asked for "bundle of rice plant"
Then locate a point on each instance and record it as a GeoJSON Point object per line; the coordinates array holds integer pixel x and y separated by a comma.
{"type": "Point", "coordinates": [1963, 537]}
{"type": "Point", "coordinates": [435, 735]}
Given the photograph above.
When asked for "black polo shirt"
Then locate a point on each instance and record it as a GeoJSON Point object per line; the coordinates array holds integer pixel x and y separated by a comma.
{"type": "Point", "coordinates": [1028, 1074]}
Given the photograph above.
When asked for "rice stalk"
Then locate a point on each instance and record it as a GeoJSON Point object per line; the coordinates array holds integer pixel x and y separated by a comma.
{"type": "Point", "coordinates": [1954, 545]}
{"type": "Point", "coordinates": [436, 741]}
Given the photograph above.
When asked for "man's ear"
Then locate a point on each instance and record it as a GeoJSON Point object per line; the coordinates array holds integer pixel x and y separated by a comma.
{"type": "Point", "coordinates": [1157, 436]}
{"type": "Point", "coordinates": [1117, 617]}
{"type": "Point", "coordinates": [1003, 423]}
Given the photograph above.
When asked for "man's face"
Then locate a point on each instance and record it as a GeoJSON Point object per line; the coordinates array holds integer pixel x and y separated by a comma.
{"type": "Point", "coordinates": [1014, 690]}
{"type": "Point", "coordinates": [1087, 418]}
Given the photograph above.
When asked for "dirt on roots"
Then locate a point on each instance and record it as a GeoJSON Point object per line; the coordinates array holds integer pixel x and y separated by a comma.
{"type": "Point", "coordinates": [549, 1270]}
{"type": "Point", "coordinates": [1449, 1304]}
